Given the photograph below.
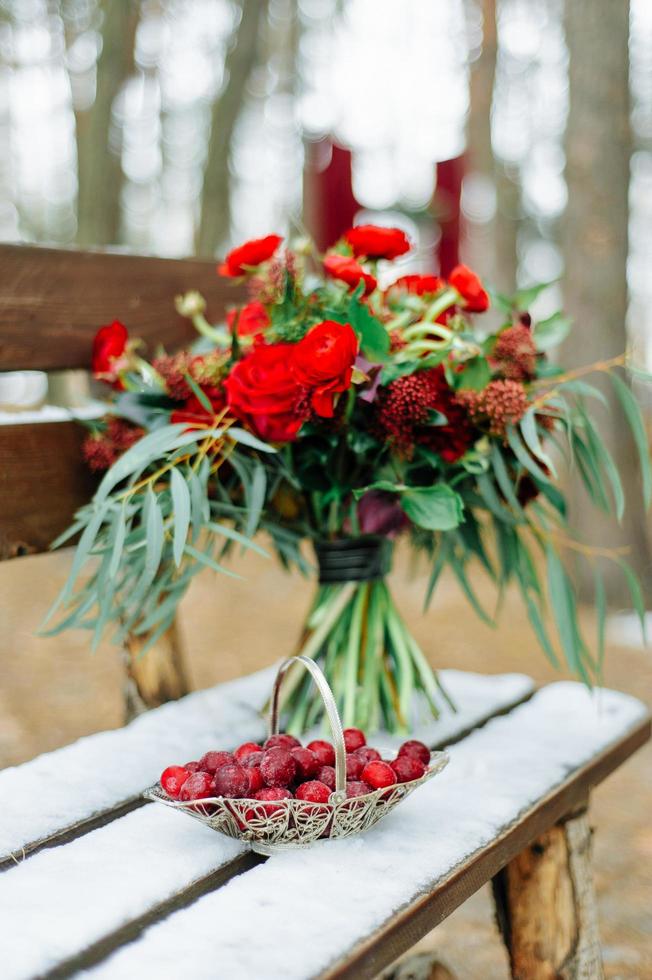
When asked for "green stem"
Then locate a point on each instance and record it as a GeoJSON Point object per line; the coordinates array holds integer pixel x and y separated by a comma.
{"type": "Point", "coordinates": [353, 656]}
{"type": "Point", "coordinates": [447, 299]}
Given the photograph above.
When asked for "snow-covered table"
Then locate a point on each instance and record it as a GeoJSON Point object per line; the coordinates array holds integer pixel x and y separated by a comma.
{"type": "Point", "coordinates": [98, 883]}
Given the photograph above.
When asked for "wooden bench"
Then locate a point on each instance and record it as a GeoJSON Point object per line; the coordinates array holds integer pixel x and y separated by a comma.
{"type": "Point", "coordinates": [95, 879]}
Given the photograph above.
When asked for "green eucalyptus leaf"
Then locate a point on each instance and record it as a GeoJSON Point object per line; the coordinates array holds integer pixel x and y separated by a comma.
{"type": "Point", "coordinates": [633, 415]}
{"type": "Point", "coordinates": [551, 332]}
{"type": "Point", "coordinates": [475, 374]}
{"type": "Point", "coordinates": [530, 432]}
{"type": "Point", "coordinates": [181, 508]}
{"type": "Point", "coordinates": [437, 508]}
{"type": "Point", "coordinates": [119, 533]}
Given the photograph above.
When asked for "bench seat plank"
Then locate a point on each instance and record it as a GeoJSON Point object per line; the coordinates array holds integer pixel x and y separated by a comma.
{"type": "Point", "coordinates": [75, 788]}
{"type": "Point", "coordinates": [311, 913]}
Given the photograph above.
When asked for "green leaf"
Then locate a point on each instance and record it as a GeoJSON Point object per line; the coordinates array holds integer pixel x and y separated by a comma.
{"type": "Point", "coordinates": [523, 298]}
{"type": "Point", "coordinates": [605, 460]}
{"type": "Point", "coordinates": [635, 419]}
{"type": "Point", "coordinates": [475, 374]}
{"type": "Point", "coordinates": [636, 593]}
{"type": "Point", "coordinates": [199, 394]}
{"type": "Point", "coordinates": [374, 339]}
{"type": "Point", "coordinates": [548, 333]}
{"type": "Point", "coordinates": [523, 456]}
{"type": "Point", "coordinates": [233, 535]}
{"type": "Point", "coordinates": [528, 426]}
{"type": "Point", "coordinates": [492, 500]}
{"type": "Point", "coordinates": [210, 562]}
{"type": "Point", "coordinates": [181, 511]}
{"type": "Point", "coordinates": [153, 520]}
{"type": "Point", "coordinates": [460, 574]}
{"type": "Point", "coordinates": [199, 505]}
{"type": "Point", "coordinates": [119, 532]}
{"type": "Point", "coordinates": [504, 481]}
{"type": "Point", "coordinates": [247, 439]}
{"type": "Point", "coordinates": [256, 499]}
{"type": "Point", "coordinates": [437, 508]}
{"type": "Point", "coordinates": [564, 607]}
{"type": "Point", "coordinates": [150, 447]}
{"type": "Point", "coordinates": [601, 614]}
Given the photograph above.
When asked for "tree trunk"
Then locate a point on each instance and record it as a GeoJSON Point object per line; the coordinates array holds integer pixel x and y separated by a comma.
{"type": "Point", "coordinates": [157, 676]}
{"type": "Point", "coordinates": [99, 169]}
{"type": "Point", "coordinates": [546, 907]}
{"type": "Point", "coordinates": [598, 147]}
{"type": "Point", "coordinates": [215, 207]}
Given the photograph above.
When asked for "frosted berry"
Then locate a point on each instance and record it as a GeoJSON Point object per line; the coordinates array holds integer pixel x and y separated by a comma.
{"type": "Point", "coordinates": [416, 749]}
{"type": "Point", "coordinates": [173, 778]}
{"type": "Point", "coordinates": [213, 761]}
{"type": "Point", "coordinates": [407, 767]}
{"type": "Point", "coordinates": [278, 768]}
{"type": "Point", "coordinates": [253, 760]}
{"type": "Point", "coordinates": [367, 754]}
{"type": "Point", "coordinates": [197, 787]}
{"type": "Point", "coordinates": [282, 741]}
{"type": "Point", "coordinates": [324, 751]}
{"type": "Point", "coordinates": [314, 791]}
{"type": "Point", "coordinates": [327, 775]}
{"type": "Point", "coordinates": [245, 750]}
{"type": "Point", "coordinates": [354, 766]}
{"type": "Point", "coordinates": [256, 781]}
{"type": "Point", "coordinates": [378, 774]}
{"type": "Point", "coordinates": [192, 766]}
{"type": "Point", "coordinates": [269, 793]}
{"type": "Point", "coordinates": [355, 787]}
{"type": "Point", "coordinates": [307, 764]}
{"type": "Point", "coordinates": [354, 739]}
{"type": "Point", "coordinates": [231, 781]}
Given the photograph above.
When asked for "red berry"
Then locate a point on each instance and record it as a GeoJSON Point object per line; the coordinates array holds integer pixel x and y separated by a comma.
{"type": "Point", "coordinates": [213, 761]}
{"type": "Point", "coordinates": [256, 781]}
{"type": "Point", "coordinates": [245, 750]}
{"type": "Point", "coordinates": [253, 760]}
{"type": "Point", "coordinates": [354, 739]}
{"type": "Point", "coordinates": [327, 775]}
{"type": "Point", "coordinates": [357, 788]}
{"type": "Point", "coordinates": [192, 766]}
{"type": "Point", "coordinates": [324, 751]}
{"type": "Point", "coordinates": [367, 754]}
{"type": "Point", "coordinates": [278, 768]}
{"type": "Point", "coordinates": [197, 787]}
{"type": "Point", "coordinates": [231, 781]}
{"type": "Point", "coordinates": [416, 749]}
{"type": "Point", "coordinates": [271, 793]}
{"type": "Point", "coordinates": [354, 766]}
{"type": "Point", "coordinates": [307, 764]}
{"type": "Point", "coordinates": [282, 741]}
{"type": "Point", "coordinates": [407, 767]}
{"type": "Point", "coordinates": [378, 774]}
{"type": "Point", "coordinates": [314, 791]}
{"type": "Point", "coordinates": [173, 778]}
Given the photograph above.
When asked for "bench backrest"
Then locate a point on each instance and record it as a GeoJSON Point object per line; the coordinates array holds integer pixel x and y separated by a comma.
{"type": "Point", "coordinates": [52, 301]}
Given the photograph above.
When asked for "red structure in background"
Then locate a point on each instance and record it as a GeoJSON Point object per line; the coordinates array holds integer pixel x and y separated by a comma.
{"type": "Point", "coordinates": [446, 203]}
{"type": "Point", "coordinates": [329, 203]}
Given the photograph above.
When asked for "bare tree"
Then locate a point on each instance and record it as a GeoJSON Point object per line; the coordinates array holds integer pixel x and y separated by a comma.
{"type": "Point", "coordinates": [598, 148]}
{"type": "Point", "coordinates": [241, 59]}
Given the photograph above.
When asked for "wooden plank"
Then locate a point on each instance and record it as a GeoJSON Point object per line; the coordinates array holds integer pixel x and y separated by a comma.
{"type": "Point", "coordinates": [221, 716]}
{"type": "Point", "coordinates": [53, 300]}
{"type": "Point", "coordinates": [43, 480]}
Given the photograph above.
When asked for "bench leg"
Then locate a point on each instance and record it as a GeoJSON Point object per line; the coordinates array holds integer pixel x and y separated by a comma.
{"type": "Point", "coordinates": [546, 906]}
{"type": "Point", "coordinates": [156, 677]}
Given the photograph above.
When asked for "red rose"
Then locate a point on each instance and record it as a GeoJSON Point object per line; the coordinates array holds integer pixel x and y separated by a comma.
{"type": "Point", "coordinates": [263, 392]}
{"type": "Point", "coordinates": [323, 363]}
{"type": "Point", "coordinates": [419, 285]}
{"type": "Point", "coordinates": [253, 319]}
{"type": "Point", "coordinates": [252, 253]}
{"type": "Point", "coordinates": [193, 412]}
{"type": "Point", "coordinates": [377, 242]}
{"type": "Point", "coordinates": [468, 285]}
{"type": "Point", "coordinates": [349, 271]}
{"type": "Point", "coordinates": [109, 346]}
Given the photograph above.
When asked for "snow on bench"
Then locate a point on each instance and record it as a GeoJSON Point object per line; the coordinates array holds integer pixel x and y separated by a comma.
{"type": "Point", "coordinates": [299, 913]}
{"type": "Point", "coordinates": [62, 789]}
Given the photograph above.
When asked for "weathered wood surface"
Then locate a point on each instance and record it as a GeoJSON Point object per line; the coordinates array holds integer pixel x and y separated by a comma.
{"type": "Point", "coordinates": [53, 300]}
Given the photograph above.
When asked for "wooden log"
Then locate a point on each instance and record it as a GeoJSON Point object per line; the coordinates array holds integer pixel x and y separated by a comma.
{"type": "Point", "coordinates": [546, 906]}
{"type": "Point", "coordinates": [157, 676]}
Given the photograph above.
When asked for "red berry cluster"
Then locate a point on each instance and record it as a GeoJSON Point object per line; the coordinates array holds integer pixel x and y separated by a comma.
{"type": "Point", "coordinates": [283, 769]}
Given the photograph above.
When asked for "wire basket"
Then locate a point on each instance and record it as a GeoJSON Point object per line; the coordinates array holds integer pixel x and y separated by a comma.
{"type": "Point", "coordinates": [270, 826]}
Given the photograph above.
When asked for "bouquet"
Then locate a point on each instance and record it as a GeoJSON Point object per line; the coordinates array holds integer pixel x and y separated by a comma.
{"type": "Point", "coordinates": [332, 411]}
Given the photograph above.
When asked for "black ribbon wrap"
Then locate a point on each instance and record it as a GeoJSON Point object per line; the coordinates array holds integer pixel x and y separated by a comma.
{"type": "Point", "coordinates": [353, 559]}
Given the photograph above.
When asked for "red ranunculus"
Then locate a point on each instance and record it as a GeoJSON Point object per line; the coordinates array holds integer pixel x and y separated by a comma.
{"type": "Point", "coordinates": [377, 242]}
{"type": "Point", "coordinates": [109, 346]}
{"type": "Point", "coordinates": [263, 392]}
{"type": "Point", "coordinates": [253, 319]}
{"type": "Point", "coordinates": [252, 253]}
{"type": "Point", "coordinates": [419, 285]}
{"type": "Point", "coordinates": [349, 271]}
{"type": "Point", "coordinates": [323, 362]}
{"type": "Point", "coordinates": [468, 285]}
{"type": "Point", "coordinates": [193, 412]}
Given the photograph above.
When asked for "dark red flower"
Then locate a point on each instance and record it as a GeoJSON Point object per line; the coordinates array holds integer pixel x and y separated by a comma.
{"type": "Point", "coordinates": [515, 353]}
{"type": "Point", "coordinates": [419, 285]}
{"type": "Point", "coordinates": [349, 271]}
{"type": "Point", "coordinates": [262, 391]}
{"type": "Point", "coordinates": [242, 259]}
{"type": "Point", "coordinates": [470, 288]}
{"type": "Point", "coordinates": [193, 412]}
{"type": "Point", "coordinates": [109, 345]}
{"type": "Point", "coordinates": [377, 242]}
{"type": "Point", "coordinates": [500, 404]}
{"type": "Point", "coordinates": [253, 319]}
{"type": "Point", "coordinates": [322, 362]}
{"type": "Point", "coordinates": [102, 449]}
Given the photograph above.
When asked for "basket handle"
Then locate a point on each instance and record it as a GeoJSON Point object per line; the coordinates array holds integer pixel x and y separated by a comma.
{"type": "Point", "coordinates": [331, 711]}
